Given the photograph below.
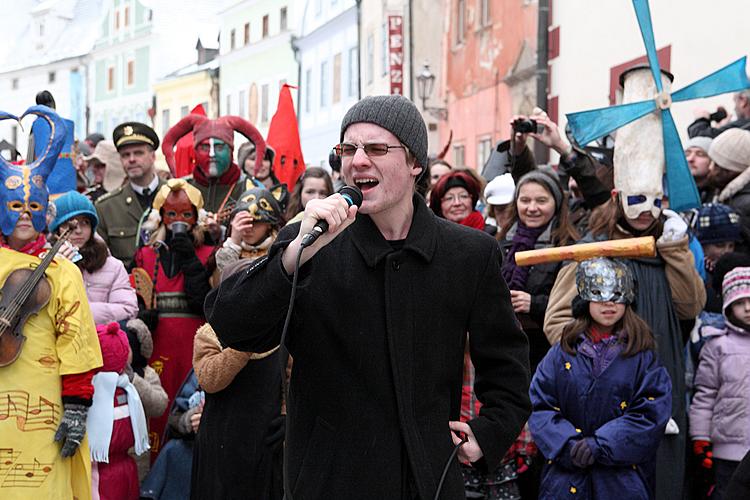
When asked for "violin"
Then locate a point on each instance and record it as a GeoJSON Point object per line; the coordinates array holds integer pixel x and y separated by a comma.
{"type": "Point", "coordinates": [25, 292]}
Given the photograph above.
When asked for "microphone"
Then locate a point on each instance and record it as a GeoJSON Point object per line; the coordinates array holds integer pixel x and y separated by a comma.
{"type": "Point", "coordinates": [352, 195]}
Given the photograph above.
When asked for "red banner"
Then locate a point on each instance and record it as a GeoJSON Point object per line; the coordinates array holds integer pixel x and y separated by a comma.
{"type": "Point", "coordinates": [396, 53]}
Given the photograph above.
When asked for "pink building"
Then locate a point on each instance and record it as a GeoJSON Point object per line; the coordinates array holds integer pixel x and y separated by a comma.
{"type": "Point", "coordinates": [489, 74]}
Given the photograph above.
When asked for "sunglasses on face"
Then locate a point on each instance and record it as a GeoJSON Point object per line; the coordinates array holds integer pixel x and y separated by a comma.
{"type": "Point", "coordinates": [346, 149]}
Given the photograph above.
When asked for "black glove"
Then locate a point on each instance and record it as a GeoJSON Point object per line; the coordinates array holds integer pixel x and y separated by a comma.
{"type": "Point", "coordinates": [584, 453]}
{"type": "Point", "coordinates": [276, 432]}
{"type": "Point", "coordinates": [72, 428]}
{"type": "Point", "coordinates": [150, 317]}
{"type": "Point", "coordinates": [182, 245]}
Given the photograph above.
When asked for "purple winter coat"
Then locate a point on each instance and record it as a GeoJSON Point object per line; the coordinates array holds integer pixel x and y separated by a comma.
{"type": "Point", "coordinates": [109, 292]}
{"type": "Point", "coordinates": [720, 411]}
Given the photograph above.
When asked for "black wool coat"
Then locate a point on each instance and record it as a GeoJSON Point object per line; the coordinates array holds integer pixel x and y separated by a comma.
{"type": "Point", "coordinates": [378, 337]}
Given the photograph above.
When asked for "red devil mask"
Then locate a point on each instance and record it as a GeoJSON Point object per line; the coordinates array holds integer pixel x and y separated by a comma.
{"type": "Point", "coordinates": [204, 129]}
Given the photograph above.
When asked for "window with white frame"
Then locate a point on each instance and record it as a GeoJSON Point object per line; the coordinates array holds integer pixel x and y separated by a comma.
{"type": "Point", "coordinates": [460, 21]}
{"type": "Point", "coordinates": [324, 84]}
{"type": "Point", "coordinates": [384, 49]}
{"type": "Point", "coordinates": [184, 110]}
{"type": "Point", "coordinates": [370, 58]}
{"type": "Point", "coordinates": [164, 122]}
{"type": "Point", "coordinates": [241, 103]}
{"type": "Point", "coordinates": [308, 89]}
{"type": "Point", "coordinates": [484, 12]}
{"type": "Point", "coordinates": [484, 148]}
{"type": "Point", "coordinates": [130, 73]}
{"type": "Point", "coordinates": [459, 160]}
{"type": "Point", "coordinates": [353, 71]}
{"type": "Point", "coordinates": [264, 103]}
{"type": "Point", "coordinates": [336, 78]}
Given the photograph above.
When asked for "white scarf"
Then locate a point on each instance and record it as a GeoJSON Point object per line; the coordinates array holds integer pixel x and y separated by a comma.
{"type": "Point", "coordinates": [101, 416]}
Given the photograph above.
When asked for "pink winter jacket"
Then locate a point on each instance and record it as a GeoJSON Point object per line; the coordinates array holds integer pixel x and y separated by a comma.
{"type": "Point", "coordinates": [720, 411]}
{"type": "Point", "coordinates": [109, 292]}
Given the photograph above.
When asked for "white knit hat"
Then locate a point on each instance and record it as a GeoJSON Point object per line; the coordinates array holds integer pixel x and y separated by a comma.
{"type": "Point", "coordinates": [500, 190]}
{"type": "Point", "coordinates": [731, 149]}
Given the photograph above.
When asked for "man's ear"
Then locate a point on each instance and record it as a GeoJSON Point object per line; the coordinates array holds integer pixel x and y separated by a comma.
{"type": "Point", "coordinates": [614, 194]}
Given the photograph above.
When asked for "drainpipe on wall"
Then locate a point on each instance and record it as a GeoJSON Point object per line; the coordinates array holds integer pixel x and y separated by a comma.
{"type": "Point", "coordinates": [295, 48]}
{"type": "Point", "coordinates": [542, 74]}
{"type": "Point", "coordinates": [411, 54]}
{"type": "Point", "coordinates": [359, 49]}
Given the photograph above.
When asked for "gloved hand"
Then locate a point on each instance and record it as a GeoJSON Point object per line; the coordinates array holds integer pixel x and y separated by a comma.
{"type": "Point", "coordinates": [150, 317]}
{"type": "Point", "coordinates": [72, 428]}
{"type": "Point", "coordinates": [276, 432]}
{"type": "Point", "coordinates": [703, 452]}
{"type": "Point", "coordinates": [675, 227]}
{"type": "Point", "coordinates": [182, 245]}
{"type": "Point", "coordinates": [584, 453]}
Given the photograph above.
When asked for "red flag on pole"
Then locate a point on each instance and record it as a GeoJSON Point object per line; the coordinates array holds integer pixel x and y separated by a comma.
{"type": "Point", "coordinates": [184, 154]}
{"type": "Point", "coordinates": [283, 137]}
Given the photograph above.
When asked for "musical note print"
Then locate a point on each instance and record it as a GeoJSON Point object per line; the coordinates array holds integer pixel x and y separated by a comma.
{"type": "Point", "coordinates": [42, 415]}
{"type": "Point", "coordinates": [8, 456]}
{"type": "Point", "coordinates": [26, 475]}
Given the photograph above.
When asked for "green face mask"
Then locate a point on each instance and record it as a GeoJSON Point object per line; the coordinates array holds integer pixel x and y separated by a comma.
{"type": "Point", "coordinates": [213, 157]}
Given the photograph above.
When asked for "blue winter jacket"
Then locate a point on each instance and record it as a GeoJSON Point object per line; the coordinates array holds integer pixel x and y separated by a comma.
{"type": "Point", "coordinates": [623, 403]}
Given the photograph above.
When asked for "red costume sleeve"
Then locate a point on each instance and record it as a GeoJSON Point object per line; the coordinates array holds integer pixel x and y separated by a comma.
{"type": "Point", "coordinates": [77, 387]}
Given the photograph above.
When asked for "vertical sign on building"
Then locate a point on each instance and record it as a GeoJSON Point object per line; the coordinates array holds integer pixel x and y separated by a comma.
{"type": "Point", "coordinates": [396, 53]}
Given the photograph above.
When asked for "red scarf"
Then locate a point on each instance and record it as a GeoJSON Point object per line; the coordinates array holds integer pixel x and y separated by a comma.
{"type": "Point", "coordinates": [598, 335]}
{"type": "Point", "coordinates": [475, 220]}
{"type": "Point", "coordinates": [35, 247]}
{"type": "Point", "coordinates": [229, 177]}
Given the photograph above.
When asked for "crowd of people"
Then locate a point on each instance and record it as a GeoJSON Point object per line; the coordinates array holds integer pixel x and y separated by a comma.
{"type": "Point", "coordinates": [158, 364]}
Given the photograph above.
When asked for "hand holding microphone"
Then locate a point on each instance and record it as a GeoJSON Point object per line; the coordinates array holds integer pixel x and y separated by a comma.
{"type": "Point", "coordinates": [323, 220]}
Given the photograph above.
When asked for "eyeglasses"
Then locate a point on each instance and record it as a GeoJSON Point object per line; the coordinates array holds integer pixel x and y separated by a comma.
{"type": "Point", "coordinates": [374, 149]}
{"type": "Point", "coordinates": [455, 197]}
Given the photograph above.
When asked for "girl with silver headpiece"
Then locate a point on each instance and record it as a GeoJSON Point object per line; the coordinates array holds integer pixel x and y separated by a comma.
{"type": "Point", "coordinates": [601, 398]}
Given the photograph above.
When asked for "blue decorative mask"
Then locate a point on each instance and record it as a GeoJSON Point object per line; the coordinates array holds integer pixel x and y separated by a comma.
{"type": "Point", "coordinates": [24, 187]}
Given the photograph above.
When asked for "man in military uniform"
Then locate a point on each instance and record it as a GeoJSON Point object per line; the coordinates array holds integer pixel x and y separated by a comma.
{"type": "Point", "coordinates": [122, 211]}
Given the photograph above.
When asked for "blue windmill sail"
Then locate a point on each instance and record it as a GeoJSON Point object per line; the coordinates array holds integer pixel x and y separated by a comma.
{"type": "Point", "coordinates": [587, 126]}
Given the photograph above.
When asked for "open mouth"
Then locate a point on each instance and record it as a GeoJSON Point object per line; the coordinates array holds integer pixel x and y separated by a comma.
{"type": "Point", "coordinates": [366, 183]}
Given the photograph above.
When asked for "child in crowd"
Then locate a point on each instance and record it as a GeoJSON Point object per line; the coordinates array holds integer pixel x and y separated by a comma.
{"type": "Point", "coordinates": [717, 422]}
{"type": "Point", "coordinates": [601, 399]}
{"type": "Point", "coordinates": [717, 228]}
{"type": "Point", "coordinates": [115, 421]}
{"type": "Point", "coordinates": [254, 226]}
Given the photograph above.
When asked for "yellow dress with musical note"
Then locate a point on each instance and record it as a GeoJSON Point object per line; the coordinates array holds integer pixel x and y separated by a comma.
{"type": "Point", "coordinates": [60, 340]}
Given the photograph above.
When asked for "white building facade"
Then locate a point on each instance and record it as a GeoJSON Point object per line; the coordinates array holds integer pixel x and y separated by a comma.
{"type": "Point", "coordinates": [256, 58]}
{"type": "Point", "coordinates": [328, 55]}
{"type": "Point", "coordinates": [591, 42]}
{"type": "Point", "coordinates": [47, 49]}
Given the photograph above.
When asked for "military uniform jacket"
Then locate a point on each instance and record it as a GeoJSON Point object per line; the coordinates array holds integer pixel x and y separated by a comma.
{"type": "Point", "coordinates": [119, 217]}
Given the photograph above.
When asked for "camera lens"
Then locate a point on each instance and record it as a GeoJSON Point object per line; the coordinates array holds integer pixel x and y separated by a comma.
{"type": "Point", "coordinates": [524, 126]}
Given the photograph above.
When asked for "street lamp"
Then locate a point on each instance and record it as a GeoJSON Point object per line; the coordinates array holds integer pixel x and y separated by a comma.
{"type": "Point", "coordinates": [425, 86]}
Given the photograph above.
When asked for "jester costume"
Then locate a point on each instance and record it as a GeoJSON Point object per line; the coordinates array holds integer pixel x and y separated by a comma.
{"type": "Point", "coordinates": [176, 263]}
{"type": "Point", "coordinates": [49, 384]}
{"type": "Point", "coordinates": [219, 180]}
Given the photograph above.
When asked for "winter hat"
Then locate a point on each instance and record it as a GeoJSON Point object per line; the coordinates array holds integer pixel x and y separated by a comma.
{"type": "Point", "coordinates": [701, 142]}
{"type": "Point", "coordinates": [70, 205]}
{"type": "Point", "coordinates": [141, 342]}
{"type": "Point", "coordinates": [115, 347]}
{"type": "Point", "coordinates": [716, 223]}
{"type": "Point", "coordinates": [548, 181]}
{"type": "Point", "coordinates": [731, 149]}
{"type": "Point", "coordinates": [106, 153]}
{"type": "Point", "coordinates": [396, 114]}
{"type": "Point", "coordinates": [500, 190]}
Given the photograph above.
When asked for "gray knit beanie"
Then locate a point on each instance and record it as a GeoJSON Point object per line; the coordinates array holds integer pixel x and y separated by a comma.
{"type": "Point", "coordinates": [396, 114]}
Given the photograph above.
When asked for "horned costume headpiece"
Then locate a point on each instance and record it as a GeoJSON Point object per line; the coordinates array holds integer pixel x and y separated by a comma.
{"type": "Point", "coordinates": [222, 128]}
{"type": "Point", "coordinates": [24, 187]}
